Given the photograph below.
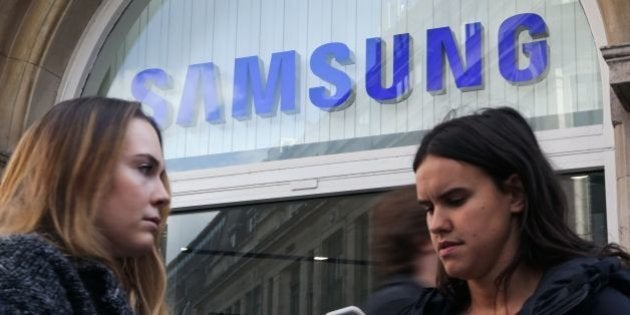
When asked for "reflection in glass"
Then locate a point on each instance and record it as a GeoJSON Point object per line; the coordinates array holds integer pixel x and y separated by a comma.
{"type": "Point", "coordinates": [586, 196]}
{"type": "Point", "coordinates": [305, 256]}
{"type": "Point", "coordinates": [290, 257]}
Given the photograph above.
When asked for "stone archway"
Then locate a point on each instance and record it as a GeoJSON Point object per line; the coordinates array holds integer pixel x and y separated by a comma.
{"type": "Point", "coordinates": [37, 39]}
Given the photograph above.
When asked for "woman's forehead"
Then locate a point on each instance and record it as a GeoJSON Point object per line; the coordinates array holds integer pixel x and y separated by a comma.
{"type": "Point", "coordinates": [436, 174]}
{"type": "Point", "coordinates": [141, 138]}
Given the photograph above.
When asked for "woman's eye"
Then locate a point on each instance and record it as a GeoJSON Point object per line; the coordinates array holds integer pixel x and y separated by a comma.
{"type": "Point", "coordinates": [455, 201]}
{"type": "Point", "coordinates": [145, 168]}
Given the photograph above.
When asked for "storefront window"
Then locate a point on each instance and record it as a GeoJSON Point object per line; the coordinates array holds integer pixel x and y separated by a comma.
{"type": "Point", "coordinates": [310, 256]}
{"type": "Point", "coordinates": [301, 246]}
{"type": "Point", "coordinates": [245, 81]}
{"type": "Point", "coordinates": [586, 192]}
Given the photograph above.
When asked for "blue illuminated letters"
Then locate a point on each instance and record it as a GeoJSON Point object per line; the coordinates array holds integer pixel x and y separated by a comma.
{"type": "Point", "coordinates": [536, 51]}
{"type": "Point", "coordinates": [321, 67]}
{"type": "Point", "coordinates": [247, 74]}
{"type": "Point", "coordinates": [207, 75]}
{"type": "Point", "coordinates": [374, 79]}
{"type": "Point", "coordinates": [440, 41]}
{"type": "Point", "coordinates": [140, 91]}
{"type": "Point", "coordinates": [278, 86]}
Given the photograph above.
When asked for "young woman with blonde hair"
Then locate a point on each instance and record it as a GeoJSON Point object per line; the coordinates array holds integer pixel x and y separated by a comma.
{"type": "Point", "coordinates": [83, 202]}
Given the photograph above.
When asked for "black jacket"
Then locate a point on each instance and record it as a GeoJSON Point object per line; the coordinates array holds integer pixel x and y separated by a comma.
{"type": "Point", "coordinates": [579, 286]}
{"type": "Point", "coordinates": [396, 293]}
{"type": "Point", "coordinates": [582, 286]}
{"type": "Point", "coordinates": [37, 278]}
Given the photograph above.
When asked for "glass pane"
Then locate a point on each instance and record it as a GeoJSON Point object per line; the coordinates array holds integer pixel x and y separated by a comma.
{"type": "Point", "coordinates": [586, 194]}
{"type": "Point", "coordinates": [290, 257]}
{"type": "Point", "coordinates": [306, 256]}
{"type": "Point", "coordinates": [184, 60]}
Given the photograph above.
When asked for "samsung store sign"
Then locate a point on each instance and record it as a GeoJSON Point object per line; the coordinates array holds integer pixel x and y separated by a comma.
{"type": "Point", "coordinates": [265, 91]}
{"type": "Point", "coordinates": [243, 81]}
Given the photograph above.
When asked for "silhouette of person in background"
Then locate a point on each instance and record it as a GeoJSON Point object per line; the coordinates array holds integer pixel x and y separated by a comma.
{"type": "Point", "coordinates": [496, 215]}
{"type": "Point", "coordinates": [401, 247]}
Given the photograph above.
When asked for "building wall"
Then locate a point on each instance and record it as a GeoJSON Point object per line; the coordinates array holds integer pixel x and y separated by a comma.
{"type": "Point", "coordinates": [616, 16]}
{"type": "Point", "coordinates": [37, 40]}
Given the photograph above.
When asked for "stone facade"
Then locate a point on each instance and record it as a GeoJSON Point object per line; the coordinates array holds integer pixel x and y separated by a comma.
{"type": "Point", "coordinates": [618, 59]}
{"type": "Point", "coordinates": [37, 39]}
{"type": "Point", "coordinates": [616, 15]}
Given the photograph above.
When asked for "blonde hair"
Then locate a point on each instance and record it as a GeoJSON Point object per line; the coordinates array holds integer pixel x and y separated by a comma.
{"type": "Point", "coordinates": [57, 176]}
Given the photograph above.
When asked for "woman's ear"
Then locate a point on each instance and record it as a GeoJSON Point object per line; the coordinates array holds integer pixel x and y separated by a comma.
{"type": "Point", "coordinates": [514, 186]}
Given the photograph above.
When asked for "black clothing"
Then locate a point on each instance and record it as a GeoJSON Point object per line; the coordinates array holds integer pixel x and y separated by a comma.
{"type": "Point", "coordinates": [579, 286]}
{"type": "Point", "coordinates": [582, 286]}
{"type": "Point", "coordinates": [37, 278]}
{"type": "Point", "coordinates": [396, 293]}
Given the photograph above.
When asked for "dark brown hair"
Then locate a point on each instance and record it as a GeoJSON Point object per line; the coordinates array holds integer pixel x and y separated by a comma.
{"type": "Point", "coordinates": [398, 229]}
{"type": "Point", "coordinates": [500, 142]}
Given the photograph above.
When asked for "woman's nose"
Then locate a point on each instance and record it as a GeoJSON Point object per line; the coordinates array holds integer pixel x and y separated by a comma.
{"type": "Point", "coordinates": [439, 222]}
{"type": "Point", "coordinates": [161, 197]}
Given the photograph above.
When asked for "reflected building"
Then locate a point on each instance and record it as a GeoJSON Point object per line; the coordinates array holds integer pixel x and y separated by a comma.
{"type": "Point", "coordinates": [292, 257]}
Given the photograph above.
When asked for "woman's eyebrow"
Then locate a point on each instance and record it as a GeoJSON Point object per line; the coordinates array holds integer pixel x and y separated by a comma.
{"type": "Point", "coordinates": [450, 191]}
{"type": "Point", "coordinates": [149, 157]}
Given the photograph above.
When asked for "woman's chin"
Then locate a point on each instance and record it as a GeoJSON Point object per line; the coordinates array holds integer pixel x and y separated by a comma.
{"type": "Point", "coordinates": [137, 248]}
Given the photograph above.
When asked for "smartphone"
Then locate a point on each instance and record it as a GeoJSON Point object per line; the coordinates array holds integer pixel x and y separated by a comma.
{"type": "Point", "coordinates": [348, 310]}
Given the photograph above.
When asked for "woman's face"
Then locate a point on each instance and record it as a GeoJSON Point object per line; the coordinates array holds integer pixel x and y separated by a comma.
{"type": "Point", "coordinates": [130, 214]}
{"type": "Point", "coordinates": [472, 222]}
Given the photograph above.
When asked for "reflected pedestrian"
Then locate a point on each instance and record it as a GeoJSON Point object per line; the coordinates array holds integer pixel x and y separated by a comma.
{"type": "Point", "coordinates": [406, 261]}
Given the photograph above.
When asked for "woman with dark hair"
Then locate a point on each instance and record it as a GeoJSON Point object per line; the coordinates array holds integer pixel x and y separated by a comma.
{"type": "Point", "coordinates": [401, 247]}
{"type": "Point", "coordinates": [496, 215]}
{"type": "Point", "coordinates": [83, 203]}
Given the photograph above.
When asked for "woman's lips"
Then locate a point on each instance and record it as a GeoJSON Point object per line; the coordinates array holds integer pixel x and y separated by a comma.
{"type": "Point", "coordinates": [448, 247]}
{"type": "Point", "coordinates": [154, 221]}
